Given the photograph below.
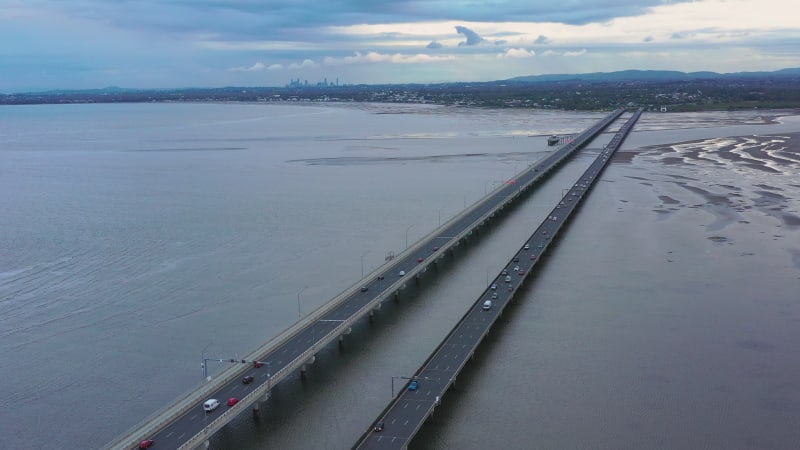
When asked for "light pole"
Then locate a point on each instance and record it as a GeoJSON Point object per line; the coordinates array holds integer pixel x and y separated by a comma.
{"type": "Point", "coordinates": [299, 316]}
{"type": "Point", "coordinates": [203, 364]}
{"type": "Point", "coordinates": [440, 215]}
{"type": "Point", "coordinates": [465, 200]}
{"type": "Point", "coordinates": [563, 192]}
{"type": "Point", "coordinates": [362, 263]}
{"type": "Point", "coordinates": [407, 230]}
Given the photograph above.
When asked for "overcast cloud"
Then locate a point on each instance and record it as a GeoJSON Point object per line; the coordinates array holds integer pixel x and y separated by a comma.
{"type": "Point", "coordinates": [55, 44]}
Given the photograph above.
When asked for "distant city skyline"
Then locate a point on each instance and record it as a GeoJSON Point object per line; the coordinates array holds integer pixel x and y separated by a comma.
{"type": "Point", "coordinates": [87, 44]}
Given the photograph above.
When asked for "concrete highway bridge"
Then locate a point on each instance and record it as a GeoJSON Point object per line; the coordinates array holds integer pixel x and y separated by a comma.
{"type": "Point", "coordinates": [399, 422]}
{"type": "Point", "coordinates": [185, 424]}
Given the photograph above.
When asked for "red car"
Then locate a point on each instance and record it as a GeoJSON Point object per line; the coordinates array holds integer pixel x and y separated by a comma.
{"type": "Point", "coordinates": [257, 364]}
{"type": "Point", "coordinates": [420, 259]}
{"type": "Point", "coordinates": [232, 401]}
{"type": "Point", "coordinates": [147, 443]}
{"type": "Point", "coordinates": [533, 256]}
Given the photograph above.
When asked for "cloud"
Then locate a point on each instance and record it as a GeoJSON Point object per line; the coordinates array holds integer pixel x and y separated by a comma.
{"type": "Point", "coordinates": [576, 53]}
{"type": "Point", "coordinates": [375, 57]}
{"type": "Point", "coordinates": [257, 67]}
{"type": "Point", "coordinates": [517, 53]}
{"type": "Point", "coordinates": [303, 65]}
{"type": "Point", "coordinates": [48, 44]}
{"type": "Point", "coordinates": [473, 38]}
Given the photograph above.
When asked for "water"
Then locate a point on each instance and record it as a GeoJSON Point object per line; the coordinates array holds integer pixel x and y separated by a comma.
{"type": "Point", "coordinates": [135, 236]}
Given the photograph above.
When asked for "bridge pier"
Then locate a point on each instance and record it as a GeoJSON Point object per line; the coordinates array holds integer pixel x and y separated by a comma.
{"type": "Point", "coordinates": [303, 367]}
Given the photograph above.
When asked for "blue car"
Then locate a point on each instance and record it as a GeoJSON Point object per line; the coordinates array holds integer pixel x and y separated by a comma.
{"type": "Point", "coordinates": [413, 385]}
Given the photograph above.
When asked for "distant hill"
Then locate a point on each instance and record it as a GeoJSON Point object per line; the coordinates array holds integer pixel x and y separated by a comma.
{"type": "Point", "coordinates": [650, 75]}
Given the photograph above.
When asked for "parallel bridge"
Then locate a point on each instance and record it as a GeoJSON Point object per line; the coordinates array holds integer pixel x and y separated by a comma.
{"type": "Point", "coordinates": [406, 413]}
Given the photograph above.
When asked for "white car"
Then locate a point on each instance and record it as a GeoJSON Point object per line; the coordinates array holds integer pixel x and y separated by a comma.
{"type": "Point", "coordinates": [210, 405]}
{"type": "Point", "coordinates": [527, 246]}
{"type": "Point", "coordinates": [402, 273]}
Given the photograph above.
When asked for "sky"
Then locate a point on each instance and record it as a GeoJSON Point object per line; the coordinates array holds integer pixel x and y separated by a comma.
{"type": "Point", "coordinates": [86, 44]}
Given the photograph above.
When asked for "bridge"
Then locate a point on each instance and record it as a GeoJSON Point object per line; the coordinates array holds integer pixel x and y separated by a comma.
{"type": "Point", "coordinates": [185, 424]}
{"type": "Point", "coordinates": [404, 416]}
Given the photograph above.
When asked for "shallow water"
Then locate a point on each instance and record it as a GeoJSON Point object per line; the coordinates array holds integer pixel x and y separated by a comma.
{"type": "Point", "coordinates": [135, 236]}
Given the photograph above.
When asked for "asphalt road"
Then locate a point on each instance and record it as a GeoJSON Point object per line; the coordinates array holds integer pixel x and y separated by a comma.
{"type": "Point", "coordinates": [193, 420]}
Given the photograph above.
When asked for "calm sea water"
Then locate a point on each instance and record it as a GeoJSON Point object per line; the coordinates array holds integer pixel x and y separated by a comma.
{"type": "Point", "coordinates": [136, 236]}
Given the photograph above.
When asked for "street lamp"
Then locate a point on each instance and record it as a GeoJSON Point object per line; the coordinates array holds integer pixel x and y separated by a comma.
{"type": "Point", "coordinates": [440, 215]}
{"type": "Point", "coordinates": [362, 263]}
{"type": "Point", "coordinates": [203, 364]}
{"type": "Point", "coordinates": [299, 316]}
{"type": "Point", "coordinates": [407, 229]}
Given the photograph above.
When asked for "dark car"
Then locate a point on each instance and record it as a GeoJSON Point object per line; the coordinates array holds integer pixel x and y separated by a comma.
{"type": "Point", "coordinates": [378, 427]}
{"type": "Point", "coordinates": [248, 379]}
{"type": "Point", "coordinates": [147, 443]}
{"type": "Point", "coordinates": [413, 385]}
{"type": "Point", "coordinates": [364, 289]}
{"type": "Point", "coordinates": [516, 259]}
